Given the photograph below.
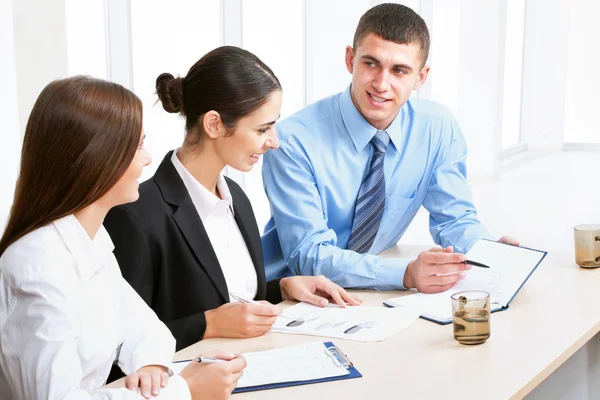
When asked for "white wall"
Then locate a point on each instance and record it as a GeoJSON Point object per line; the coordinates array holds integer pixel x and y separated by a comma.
{"type": "Point", "coordinates": [86, 38]}
{"type": "Point", "coordinates": [545, 73]}
{"type": "Point", "coordinates": [582, 116]}
{"type": "Point", "coordinates": [10, 136]}
{"type": "Point", "coordinates": [467, 60]}
{"type": "Point", "coordinates": [168, 38]}
{"type": "Point", "coordinates": [443, 20]}
{"type": "Point", "coordinates": [40, 48]}
{"type": "Point", "coordinates": [513, 73]}
{"type": "Point", "coordinates": [33, 49]}
{"type": "Point", "coordinates": [482, 28]}
{"type": "Point", "coordinates": [284, 54]}
{"type": "Point", "coordinates": [326, 43]}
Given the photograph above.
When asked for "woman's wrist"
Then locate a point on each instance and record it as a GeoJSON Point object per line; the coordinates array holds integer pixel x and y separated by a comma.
{"type": "Point", "coordinates": [283, 284]}
{"type": "Point", "coordinates": [209, 331]}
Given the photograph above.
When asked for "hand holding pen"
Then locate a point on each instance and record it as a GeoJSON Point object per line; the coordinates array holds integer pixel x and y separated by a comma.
{"type": "Point", "coordinates": [216, 376]}
{"type": "Point", "coordinates": [436, 270]}
{"type": "Point", "coordinates": [476, 264]}
{"type": "Point", "coordinates": [243, 319]}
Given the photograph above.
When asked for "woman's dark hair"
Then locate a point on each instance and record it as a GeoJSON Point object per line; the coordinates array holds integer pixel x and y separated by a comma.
{"type": "Point", "coordinates": [228, 80]}
{"type": "Point", "coordinates": [80, 139]}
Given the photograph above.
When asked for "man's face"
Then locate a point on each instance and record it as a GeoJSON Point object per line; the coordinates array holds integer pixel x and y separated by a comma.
{"type": "Point", "coordinates": [384, 74]}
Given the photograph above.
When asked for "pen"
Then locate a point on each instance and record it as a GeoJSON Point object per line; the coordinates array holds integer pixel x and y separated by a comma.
{"type": "Point", "coordinates": [208, 360]}
{"type": "Point", "coordinates": [476, 264]}
{"type": "Point", "coordinates": [242, 299]}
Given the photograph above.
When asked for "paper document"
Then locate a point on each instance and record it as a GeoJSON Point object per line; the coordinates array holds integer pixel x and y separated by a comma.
{"type": "Point", "coordinates": [287, 364]}
{"type": "Point", "coordinates": [510, 267]}
{"type": "Point", "coordinates": [361, 323]}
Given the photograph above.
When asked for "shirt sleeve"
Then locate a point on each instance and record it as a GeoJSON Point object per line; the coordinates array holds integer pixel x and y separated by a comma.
{"type": "Point", "coordinates": [145, 339]}
{"type": "Point", "coordinates": [309, 246]}
{"type": "Point", "coordinates": [38, 342]}
{"type": "Point", "coordinates": [453, 219]}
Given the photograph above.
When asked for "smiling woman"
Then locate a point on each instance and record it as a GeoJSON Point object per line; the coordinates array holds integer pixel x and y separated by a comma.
{"type": "Point", "coordinates": [67, 314]}
{"type": "Point", "coordinates": [192, 239]}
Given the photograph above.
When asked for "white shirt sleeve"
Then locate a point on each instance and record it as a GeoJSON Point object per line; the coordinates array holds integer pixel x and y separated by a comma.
{"type": "Point", "coordinates": [145, 339]}
{"type": "Point", "coordinates": [38, 342]}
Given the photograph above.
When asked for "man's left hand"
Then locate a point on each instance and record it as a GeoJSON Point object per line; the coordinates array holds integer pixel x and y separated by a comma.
{"type": "Point", "coordinates": [509, 240]}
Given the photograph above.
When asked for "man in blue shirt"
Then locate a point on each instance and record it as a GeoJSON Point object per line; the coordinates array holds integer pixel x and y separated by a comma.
{"type": "Point", "coordinates": [354, 168]}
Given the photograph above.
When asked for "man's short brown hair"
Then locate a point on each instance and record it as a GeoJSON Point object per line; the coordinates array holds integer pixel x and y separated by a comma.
{"type": "Point", "coordinates": [396, 23]}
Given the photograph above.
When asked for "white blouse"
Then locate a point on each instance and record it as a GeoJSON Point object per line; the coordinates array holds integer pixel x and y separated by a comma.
{"type": "Point", "coordinates": [66, 314]}
{"type": "Point", "coordinates": [223, 231]}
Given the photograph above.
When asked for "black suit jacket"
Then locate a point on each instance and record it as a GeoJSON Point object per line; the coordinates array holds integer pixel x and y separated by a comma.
{"type": "Point", "coordinates": [164, 252]}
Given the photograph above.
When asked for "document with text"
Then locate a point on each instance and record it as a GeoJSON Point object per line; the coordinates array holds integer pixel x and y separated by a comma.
{"type": "Point", "coordinates": [293, 365]}
{"type": "Point", "coordinates": [360, 323]}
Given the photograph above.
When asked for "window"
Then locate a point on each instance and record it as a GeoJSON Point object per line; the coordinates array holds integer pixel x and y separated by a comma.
{"type": "Point", "coordinates": [168, 37]}
{"type": "Point", "coordinates": [513, 73]}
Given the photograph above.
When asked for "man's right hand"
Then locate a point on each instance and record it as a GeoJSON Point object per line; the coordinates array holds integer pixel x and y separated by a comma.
{"type": "Point", "coordinates": [435, 270]}
{"type": "Point", "coordinates": [240, 320]}
{"type": "Point", "coordinates": [213, 381]}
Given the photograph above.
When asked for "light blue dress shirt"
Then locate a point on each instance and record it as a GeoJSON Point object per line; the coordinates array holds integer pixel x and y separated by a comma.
{"type": "Point", "coordinates": [312, 182]}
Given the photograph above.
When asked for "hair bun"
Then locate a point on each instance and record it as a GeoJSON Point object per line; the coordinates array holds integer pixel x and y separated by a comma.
{"type": "Point", "coordinates": [170, 92]}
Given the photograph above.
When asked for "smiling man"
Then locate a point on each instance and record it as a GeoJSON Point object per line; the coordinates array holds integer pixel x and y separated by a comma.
{"type": "Point", "coordinates": [354, 168]}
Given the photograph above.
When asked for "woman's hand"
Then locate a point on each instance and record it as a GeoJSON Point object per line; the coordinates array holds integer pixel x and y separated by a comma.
{"type": "Point", "coordinates": [316, 290]}
{"type": "Point", "coordinates": [149, 379]}
{"type": "Point", "coordinates": [240, 320]}
{"type": "Point", "coordinates": [213, 381]}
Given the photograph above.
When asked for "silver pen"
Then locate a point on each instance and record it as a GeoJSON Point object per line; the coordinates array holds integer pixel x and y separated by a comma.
{"type": "Point", "coordinates": [208, 360]}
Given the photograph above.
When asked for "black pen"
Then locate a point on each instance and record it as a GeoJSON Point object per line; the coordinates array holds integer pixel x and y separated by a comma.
{"type": "Point", "coordinates": [476, 264]}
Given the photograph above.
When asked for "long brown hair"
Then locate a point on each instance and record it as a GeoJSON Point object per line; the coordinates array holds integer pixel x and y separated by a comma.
{"type": "Point", "coordinates": [80, 138]}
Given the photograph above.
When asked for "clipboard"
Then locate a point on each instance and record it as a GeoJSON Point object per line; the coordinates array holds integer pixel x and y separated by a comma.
{"type": "Point", "coordinates": [337, 356]}
{"type": "Point", "coordinates": [499, 302]}
{"type": "Point", "coordinates": [332, 353]}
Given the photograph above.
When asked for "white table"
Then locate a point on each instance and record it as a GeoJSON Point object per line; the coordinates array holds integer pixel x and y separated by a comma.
{"type": "Point", "coordinates": [555, 314]}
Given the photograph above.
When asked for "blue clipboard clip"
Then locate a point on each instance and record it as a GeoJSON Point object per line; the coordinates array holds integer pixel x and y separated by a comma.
{"type": "Point", "coordinates": [339, 358]}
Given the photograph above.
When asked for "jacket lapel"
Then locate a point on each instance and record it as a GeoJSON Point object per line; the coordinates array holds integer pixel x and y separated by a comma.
{"type": "Point", "coordinates": [244, 216]}
{"type": "Point", "coordinates": [187, 219]}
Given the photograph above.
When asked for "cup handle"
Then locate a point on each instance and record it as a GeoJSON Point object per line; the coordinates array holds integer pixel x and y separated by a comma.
{"type": "Point", "coordinates": [598, 238]}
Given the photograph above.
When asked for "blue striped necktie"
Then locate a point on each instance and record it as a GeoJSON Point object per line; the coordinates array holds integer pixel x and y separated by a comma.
{"type": "Point", "coordinates": [371, 199]}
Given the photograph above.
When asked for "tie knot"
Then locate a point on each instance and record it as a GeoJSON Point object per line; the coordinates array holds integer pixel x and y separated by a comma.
{"type": "Point", "coordinates": [380, 141]}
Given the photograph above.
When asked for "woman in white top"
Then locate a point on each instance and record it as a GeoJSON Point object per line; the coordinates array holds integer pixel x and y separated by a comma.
{"type": "Point", "coordinates": [66, 313]}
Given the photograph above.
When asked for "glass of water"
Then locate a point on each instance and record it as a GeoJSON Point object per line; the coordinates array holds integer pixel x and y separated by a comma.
{"type": "Point", "coordinates": [471, 316]}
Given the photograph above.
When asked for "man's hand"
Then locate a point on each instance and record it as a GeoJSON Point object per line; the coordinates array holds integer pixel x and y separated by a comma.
{"type": "Point", "coordinates": [240, 320]}
{"type": "Point", "coordinates": [436, 270]}
{"type": "Point", "coordinates": [316, 290]}
{"type": "Point", "coordinates": [509, 240]}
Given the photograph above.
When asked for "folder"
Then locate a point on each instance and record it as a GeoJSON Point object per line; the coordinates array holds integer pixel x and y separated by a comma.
{"type": "Point", "coordinates": [284, 359]}
{"type": "Point", "coordinates": [509, 268]}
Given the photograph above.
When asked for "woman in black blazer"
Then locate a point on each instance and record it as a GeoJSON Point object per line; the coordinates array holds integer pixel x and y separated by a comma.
{"type": "Point", "coordinates": [191, 238]}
